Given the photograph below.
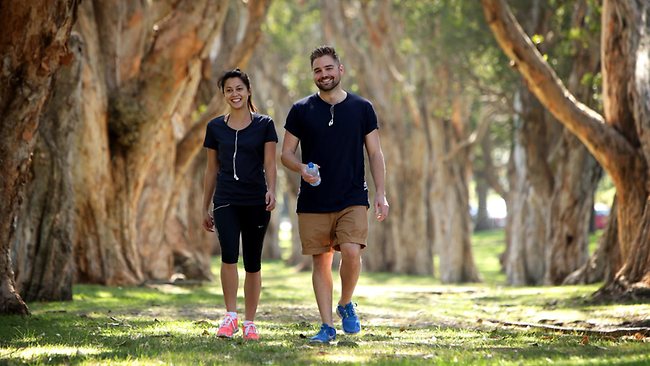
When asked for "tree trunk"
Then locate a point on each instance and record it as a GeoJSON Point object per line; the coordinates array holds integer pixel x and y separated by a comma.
{"type": "Point", "coordinates": [450, 196]}
{"type": "Point", "coordinates": [33, 52]}
{"type": "Point", "coordinates": [531, 179]}
{"type": "Point", "coordinates": [134, 84]}
{"type": "Point", "coordinates": [626, 89]}
{"type": "Point", "coordinates": [141, 65]}
{"type": "Point", "coordinates": [531, 185]}
{"type": "Point", "coordinates": [571, 205]}
{"type": "Point", "coordinates": [557, 169]}
{"type": "Point", "coordinates": [602, 263]}
{"type": "Point", "coordinates": [46, 272]}
{"type": "Point", "coordinates": [403, 243]}
{"type": "Point", "coordinates": [576, 173]}
{"type": "Point", "coordinates": [482, 220]}
{"type": "Point", "coordinates": [238, 31]}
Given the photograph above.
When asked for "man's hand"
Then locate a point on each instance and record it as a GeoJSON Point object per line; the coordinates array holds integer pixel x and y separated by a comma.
{"type": "Point", "coordinates": [311, 179]}
{"type": "Point", "coordinates": [381, 207]}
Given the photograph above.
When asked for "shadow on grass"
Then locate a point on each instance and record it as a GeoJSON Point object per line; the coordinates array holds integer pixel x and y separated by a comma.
{"type": "Point", "coordinates": [99, 338]}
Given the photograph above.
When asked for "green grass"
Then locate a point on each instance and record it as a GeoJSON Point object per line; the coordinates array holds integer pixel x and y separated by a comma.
{"type": "Point", "coordinates": [408, 320]}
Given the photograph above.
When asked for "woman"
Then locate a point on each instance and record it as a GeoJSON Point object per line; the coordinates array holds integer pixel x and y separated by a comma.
{"type": "Point", "coordinates": [240, 181]}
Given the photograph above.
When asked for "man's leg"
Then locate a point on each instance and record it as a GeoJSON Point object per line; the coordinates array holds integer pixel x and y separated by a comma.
{"type": "Point", "coordinates": [349, 270]}
{"type": "Point", "coordinates": [321, 278]}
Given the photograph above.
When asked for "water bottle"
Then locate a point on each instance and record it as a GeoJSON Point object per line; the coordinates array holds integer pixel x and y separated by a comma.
{"type": "Point", "coordinates": [313, 170]}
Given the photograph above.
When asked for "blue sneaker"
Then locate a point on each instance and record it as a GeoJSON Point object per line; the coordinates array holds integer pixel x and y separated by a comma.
{"type": "Point", "coordinates": [349, 318]}
{"type": "Point", "coordinates": [325, 335]}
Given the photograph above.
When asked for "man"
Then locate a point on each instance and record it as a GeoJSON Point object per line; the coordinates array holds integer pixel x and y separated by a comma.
{"type": "Point", "coordinates": [332, 127]}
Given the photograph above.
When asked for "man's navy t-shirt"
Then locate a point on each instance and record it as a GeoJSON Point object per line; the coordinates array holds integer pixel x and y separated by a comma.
{"type": "Point", "coordinates": [337, 149]}
{"type": "Point", "coordinates": [240, 180]}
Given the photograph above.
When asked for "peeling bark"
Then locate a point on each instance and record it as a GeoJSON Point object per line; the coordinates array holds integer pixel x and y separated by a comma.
{"type": "Point", "coordinates": [32, 52]}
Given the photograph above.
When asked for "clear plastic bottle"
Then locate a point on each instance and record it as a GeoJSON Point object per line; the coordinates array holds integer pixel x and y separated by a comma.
{"type": "Point", "coordinates": [312, 169]}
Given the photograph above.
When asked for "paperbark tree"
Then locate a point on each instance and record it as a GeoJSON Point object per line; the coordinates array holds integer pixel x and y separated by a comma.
{"type": "Point", "coordinates": [42, 247]}
{"type": "Point", "coordinates": [547, 162]}
{"type": "Point", "coordinates": [237, 39]}
{"type": "Point", "coordinates": [127, 136]}
{"type": "Point", "coordinates": [402, 244]}
{"type": "Point", "coordinates": [32, 53]}
{"type": "Point", "coordinates": [600, 266]}
{"type": "Point", "coordinates": [427, 172]}
{"type": "Point", "coordinates": [576, 172]}
{"type": "Point", "coordinates": [618, 139]}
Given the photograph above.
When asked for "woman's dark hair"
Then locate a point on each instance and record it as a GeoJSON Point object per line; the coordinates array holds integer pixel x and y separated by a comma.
{"type": "Point", "coordinates": [237, 73]}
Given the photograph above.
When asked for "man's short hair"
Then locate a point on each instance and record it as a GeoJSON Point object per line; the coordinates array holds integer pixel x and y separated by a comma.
{"type": "Point", "coordinates": [324, 51]}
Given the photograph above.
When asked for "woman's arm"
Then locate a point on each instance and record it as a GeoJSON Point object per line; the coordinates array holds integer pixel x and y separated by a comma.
{"type": "Point", "coordinates": [271, 172]}
{"type": "Point", "coordinates": [209, 186]}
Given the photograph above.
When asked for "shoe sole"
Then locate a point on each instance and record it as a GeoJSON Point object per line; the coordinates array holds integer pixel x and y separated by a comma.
{"type": "Point", "coordinates": [226, 336]}
{"type": "Point", "coordinates": [320, 342]}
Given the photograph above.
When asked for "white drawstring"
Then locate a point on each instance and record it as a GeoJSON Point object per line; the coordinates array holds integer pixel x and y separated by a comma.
{"type": "Point", "coordinates": [234, 157]}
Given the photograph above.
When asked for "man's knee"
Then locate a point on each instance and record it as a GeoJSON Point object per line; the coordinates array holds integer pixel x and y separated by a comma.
{"type": "Point", "coordinates": [350, 250]}
{"type": "Point", "coordinates": [323, 260]}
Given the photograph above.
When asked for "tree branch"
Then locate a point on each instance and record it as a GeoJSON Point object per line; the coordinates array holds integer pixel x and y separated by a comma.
{"type": "Point", "coordinates": [607, 145]}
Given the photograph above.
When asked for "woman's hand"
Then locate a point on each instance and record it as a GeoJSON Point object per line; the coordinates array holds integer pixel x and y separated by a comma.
{"type": "Point", "coordinates": [208, 221]}
{"type": "Point", "coordinates": [270, 201]}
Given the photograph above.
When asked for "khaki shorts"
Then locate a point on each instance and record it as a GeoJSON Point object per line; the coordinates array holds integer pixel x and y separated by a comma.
{"type": "Point", "coordinates": [324, 232]}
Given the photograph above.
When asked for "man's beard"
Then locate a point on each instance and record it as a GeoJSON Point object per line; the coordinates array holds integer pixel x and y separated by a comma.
{"type": "Point", "coordinates": [333, 85]}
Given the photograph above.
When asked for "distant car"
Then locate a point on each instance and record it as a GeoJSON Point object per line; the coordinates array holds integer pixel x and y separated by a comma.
{"type": "Point", "coordinates": [601, 215]}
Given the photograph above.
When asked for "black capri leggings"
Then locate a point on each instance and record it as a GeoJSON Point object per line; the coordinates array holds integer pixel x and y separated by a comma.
{"type": "Point", "coordinates": [249, 221]}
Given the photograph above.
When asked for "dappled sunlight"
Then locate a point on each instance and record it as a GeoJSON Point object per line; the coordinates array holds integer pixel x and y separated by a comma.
{"type": "Point", "coordinates": [172, 289]}
{"type": "Point", "coordinates": [405, 319]}
{"type": "Point", "coordinates": [345, 357]}
{"type": "Point", "coordinates": [33, 353]}
{"type": "Point", "coordinates": [104, 294]}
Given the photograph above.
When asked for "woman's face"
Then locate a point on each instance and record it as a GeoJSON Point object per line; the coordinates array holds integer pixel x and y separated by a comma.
{"type": "Point", "coordinates": [236, 93]}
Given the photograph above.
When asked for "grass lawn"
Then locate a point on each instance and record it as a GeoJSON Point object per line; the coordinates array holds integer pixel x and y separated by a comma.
{"type": "Point", "coordinates": [407, 320]}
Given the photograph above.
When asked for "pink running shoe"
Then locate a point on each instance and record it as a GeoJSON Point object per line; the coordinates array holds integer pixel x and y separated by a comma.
{"type": "Point", "coordinates": [228, 327]}
{"type": "Point", "coordinates": [250, 332]}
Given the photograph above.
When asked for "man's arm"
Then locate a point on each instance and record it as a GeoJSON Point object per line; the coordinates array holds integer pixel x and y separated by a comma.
{"type": "Point", "coordinates": [291, 161]}
{"type": "Point", "coordinates": [378, 171]}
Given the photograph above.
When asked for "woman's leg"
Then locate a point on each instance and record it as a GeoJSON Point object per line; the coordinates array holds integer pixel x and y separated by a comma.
{"type": "Point", "coordinates": [253, 231]}
{"type": "Point", "coordinates": [228, 227]}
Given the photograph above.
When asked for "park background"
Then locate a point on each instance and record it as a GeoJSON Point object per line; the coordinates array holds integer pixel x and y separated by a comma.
{"type": "Point", "coordinates": [538, 107]}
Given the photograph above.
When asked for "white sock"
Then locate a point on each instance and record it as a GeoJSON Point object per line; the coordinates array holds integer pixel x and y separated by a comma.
{"type": "Point", "coordinates": [246, 322]}
{"type": "Point", "coordinates": [233, 314]}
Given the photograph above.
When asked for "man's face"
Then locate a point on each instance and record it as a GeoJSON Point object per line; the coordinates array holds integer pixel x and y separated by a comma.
{"type": "Point", "coordinates": [327, 73]}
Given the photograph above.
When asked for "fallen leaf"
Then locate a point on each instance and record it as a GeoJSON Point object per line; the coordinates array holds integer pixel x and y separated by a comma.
{"type": "Point", "coordinates": [585, 340]}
